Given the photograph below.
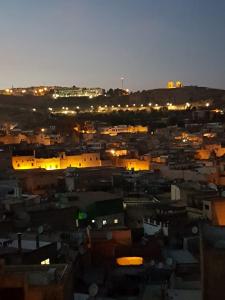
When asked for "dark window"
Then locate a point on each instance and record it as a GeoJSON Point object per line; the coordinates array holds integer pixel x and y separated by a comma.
{"type": "Point", "coordinates": [18, 165]}
{"type": "Point", "coordinates": [206, 206]}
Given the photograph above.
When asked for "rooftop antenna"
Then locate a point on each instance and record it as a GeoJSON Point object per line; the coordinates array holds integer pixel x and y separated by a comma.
{"type": "Point", "coordinates": [122, 82]}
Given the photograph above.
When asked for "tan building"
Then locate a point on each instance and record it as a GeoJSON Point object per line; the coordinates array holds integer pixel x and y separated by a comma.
{"type": "Point", "coordinates": [62, 161]}
{"type": "Point", "coordinates": [115, 130]}
{"type": "Point", "coordinates": [134, 164]}
{"type": "Point", "coordinates": [42, 139]}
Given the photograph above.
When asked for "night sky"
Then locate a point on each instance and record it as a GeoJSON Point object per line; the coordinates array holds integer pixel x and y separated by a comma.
{"type": "Point", "coordinates": [95, 42]}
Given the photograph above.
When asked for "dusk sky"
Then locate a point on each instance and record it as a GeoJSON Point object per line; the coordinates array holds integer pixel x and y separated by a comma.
{"type": "Point", "coordinates": [95, 42]}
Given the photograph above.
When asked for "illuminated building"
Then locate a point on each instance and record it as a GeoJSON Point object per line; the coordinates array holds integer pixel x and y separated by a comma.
{"type": "Point", "coordinates": [123, 129]}
{"type": "Point", "coordinates": [129, 261]}
{"type": "Point", "coordinates": [66, 92]}
{"type": "Point", "coordinates": [173, 85]}
{"type": "Point", "coordinates": [61, 161]}
{"type": "Point", "coordinates": [117, 152]}
{"type": "Point", "coordinates": [170, 85]}
{"type": "Point", "coordinates": [179, 84]}
{"type": "Point", "coordinates": [134, 164]}
{"type": "Point", "coordinates": [36, 91]}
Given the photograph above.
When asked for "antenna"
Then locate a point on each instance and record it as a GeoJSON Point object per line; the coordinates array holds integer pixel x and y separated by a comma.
{"type": "Point", "coordinates": [122, 82]}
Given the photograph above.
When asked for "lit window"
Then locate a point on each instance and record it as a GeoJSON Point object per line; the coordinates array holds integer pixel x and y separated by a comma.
{"type": "Point", "coordinates": [45, 262]}
{"type": "Point", "coordinates": [116, 221]}
{"type": "Point", "coordinates": [104, 222]}
{"type": "Point", "coordinates": [92, 221]}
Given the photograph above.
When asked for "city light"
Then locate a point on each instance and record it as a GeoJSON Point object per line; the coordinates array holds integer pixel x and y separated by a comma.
{"type": "Point", "coordinates": [207, 104]}
{"type": "Point", "coordinates": [113, 152]}
{"type": "Point", "coordinates": [34, 109]}
{"type": "Point", "coordinates": [50, 108]}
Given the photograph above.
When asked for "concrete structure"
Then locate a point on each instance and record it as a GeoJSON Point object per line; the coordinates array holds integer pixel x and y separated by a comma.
{"type": "Point", "coordinates": [36, 282]}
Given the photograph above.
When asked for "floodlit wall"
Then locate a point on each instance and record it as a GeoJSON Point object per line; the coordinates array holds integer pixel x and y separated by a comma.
{"type": "Point", "coordinates": [83, 160]}
{"type": "Point", "coordinates": [124, 129]}
{"type": "Point", "coordinates": [133, 164]}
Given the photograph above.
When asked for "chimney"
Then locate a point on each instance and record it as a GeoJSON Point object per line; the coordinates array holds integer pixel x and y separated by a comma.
{"type": "Point", "coordinates": [37, 241]}
{"type": "Point", "coordinates": [19, 236]}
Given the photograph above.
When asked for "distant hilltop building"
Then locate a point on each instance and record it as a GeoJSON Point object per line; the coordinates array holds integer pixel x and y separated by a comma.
{"type": "Point", "coordinates": [66, 92]}
{"type": "Point", "coordinates": [174, 84]}
{"type": "Point", "coordinates": [35, 91]}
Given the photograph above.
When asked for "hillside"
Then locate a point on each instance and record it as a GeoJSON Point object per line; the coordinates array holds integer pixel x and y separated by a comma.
{"type": "Point", "coordinates": [160, 96]}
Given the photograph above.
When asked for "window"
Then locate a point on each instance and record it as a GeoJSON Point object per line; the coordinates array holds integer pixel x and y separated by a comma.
{"type": "Point", "coordinates": [116, 221]}
{"type": "Point", "coordinates": [45, 262]}
{"type": "Point", "coordinates": [18, 165]}
{"type": "Point", "coordinates": [206, 206]}
{"type": "Point", "coordinates": [104, 222]}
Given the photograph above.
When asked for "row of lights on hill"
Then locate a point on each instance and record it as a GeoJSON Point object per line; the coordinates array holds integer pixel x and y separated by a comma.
{"type": "Point", "coordinates": [127, 106]}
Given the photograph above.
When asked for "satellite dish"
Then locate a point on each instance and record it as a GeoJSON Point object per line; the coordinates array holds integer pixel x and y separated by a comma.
{"type": "Point", "coordinates": [169, 261]}
{"type": "Point", "coordinates": [194, 229]}
{"type": "Point", "coordinates": [93, 290]}
{"type": "Point", "coordinates": [152, 262]}
{"type": "Point", "coordinates": [40, 229]}
{"type": "Point", "coordinates": [212, 186]}
{"type": "Point", "coordinates": [160, 265]}
{"type": "Point", "coordinates": [109, 235]}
